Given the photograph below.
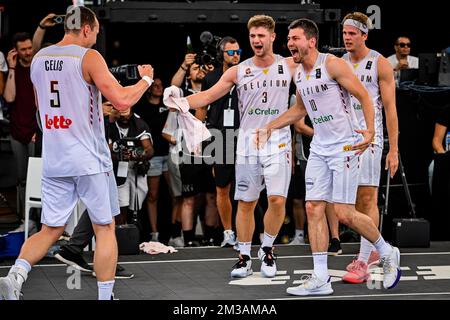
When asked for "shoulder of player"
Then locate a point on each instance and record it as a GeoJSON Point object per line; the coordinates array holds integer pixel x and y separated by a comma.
{"type": "Point", "coordinates": [384, 66]}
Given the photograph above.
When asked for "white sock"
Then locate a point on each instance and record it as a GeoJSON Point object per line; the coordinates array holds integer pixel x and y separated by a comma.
{"type": "Point", "coordinates": [382, 247]}
{"type": "Point", "coordinates": [299, 233]}
{"type": "Point", "coordinates": [245, 248]}
{"type": "Point", "coordinates": [105, 289]}
{"type": "Point", "coordinates": [365, 248]}
{"type": "Point", "coordinates": [20, 271]}
{"type": "Point", "coordinates": [268, 240]}
{"type": "Point", "coordinates": [320, 260]}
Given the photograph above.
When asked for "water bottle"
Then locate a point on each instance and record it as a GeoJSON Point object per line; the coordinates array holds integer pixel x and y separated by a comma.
{"type": "Point", "coordinates": [447, 141]}
{"type": "Point", "coordinates": [189, 47]}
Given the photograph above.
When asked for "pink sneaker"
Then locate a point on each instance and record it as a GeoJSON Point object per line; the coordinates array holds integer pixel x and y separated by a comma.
{"type": "Point", "coordinates": [357, 272]}
{"type": "Point", "coordinates": [374, 258]}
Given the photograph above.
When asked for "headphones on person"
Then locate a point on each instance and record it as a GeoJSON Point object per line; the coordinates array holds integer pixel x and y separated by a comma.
{"type": "Point", "coordinates": [220, 48]}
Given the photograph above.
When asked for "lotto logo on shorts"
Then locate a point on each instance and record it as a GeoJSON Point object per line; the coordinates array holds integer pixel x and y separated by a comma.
{"type": "Point", "coordinates": [58, 122]}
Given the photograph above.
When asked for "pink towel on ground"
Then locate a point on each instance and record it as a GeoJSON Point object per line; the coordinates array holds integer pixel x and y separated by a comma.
{"type": "Point", "coordinates": [194, 131]}
{"type": "Point", "coordinates": [153, 247]}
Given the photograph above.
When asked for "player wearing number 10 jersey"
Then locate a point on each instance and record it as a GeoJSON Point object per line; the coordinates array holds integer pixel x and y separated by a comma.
{"type": "Point", "coordinates": [262, 84]}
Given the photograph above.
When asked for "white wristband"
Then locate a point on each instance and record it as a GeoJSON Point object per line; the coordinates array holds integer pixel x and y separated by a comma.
{"type": "Point", "coordinates": [148, 80]}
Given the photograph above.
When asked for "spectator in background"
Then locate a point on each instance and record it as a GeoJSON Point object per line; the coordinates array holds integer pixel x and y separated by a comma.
{"type": "Point", "coordinates": [223, 115]}
{"type": "Point", "coordinates": [401, 59]}
{"type": "Point", "coordinates": [3, 70]}
{"type": "Point", "coordinates": [152, 110]}
{"type": "Point", "coordinates": [191, 168]}
{"type": "Point", "coordinates": [19, 93]}
{"type": "Point", "coordinates": [130, 162]}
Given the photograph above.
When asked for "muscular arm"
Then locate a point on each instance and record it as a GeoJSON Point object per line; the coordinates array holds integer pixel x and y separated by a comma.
{"type": "Point", "coordinates": [294, 114]}
{"type": "Point", "coordinates": [387, 91]}
{"type": "Point", "coordinates": [221, 88]}
{"type": "Point", "coordinates": [438, 136]}
{"type": "Point", "coordinates": [302, 128]}
{"type": "Point", "coordinates": [96, 71]}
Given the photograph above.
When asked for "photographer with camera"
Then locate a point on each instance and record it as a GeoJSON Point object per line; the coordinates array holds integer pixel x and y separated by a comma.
{"type": "Point", "coordinates": [190, 167]}
{"type": "Point", "coordinates": [223, 115]}
{"type": "Point", "coordinates": [131, 147]}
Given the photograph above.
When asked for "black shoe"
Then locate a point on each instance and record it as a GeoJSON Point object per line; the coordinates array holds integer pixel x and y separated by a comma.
{"type": "Point", "coordinates": [192, 244]}
{"type": "Point", "coordinates": [73, 259]}
{"type": "Point", "coordinates": [121, 273]}
{"type": "Point", "coordinates": [335, 247]}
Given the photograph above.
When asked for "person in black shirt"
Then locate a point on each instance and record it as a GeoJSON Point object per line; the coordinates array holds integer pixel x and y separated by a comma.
{"type": "Point", "coordinates": [222, 117]}
{"type": "Point", "coordinates": [152, 110]}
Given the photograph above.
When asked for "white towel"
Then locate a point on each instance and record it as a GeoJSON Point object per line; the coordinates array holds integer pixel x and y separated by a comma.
{"type": "Point", "coordinates": [153, 247]}
{"type": "Point", "coordinates": [194, 131]}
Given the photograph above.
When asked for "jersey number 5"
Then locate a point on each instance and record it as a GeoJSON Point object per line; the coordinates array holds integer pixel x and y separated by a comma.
{"type": "Point", "coordinates": [54, 103]}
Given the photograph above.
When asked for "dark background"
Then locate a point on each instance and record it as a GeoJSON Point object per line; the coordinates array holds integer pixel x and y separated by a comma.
{"type": "Point", "coordinates": [164, 46]}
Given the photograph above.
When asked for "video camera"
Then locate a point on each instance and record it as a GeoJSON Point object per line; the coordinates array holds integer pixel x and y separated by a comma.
{"type": "Point", "coordinates": [208, 53]}
{"type": "Point", "coordinates": [131, 146]}
{"type": "Point", "coordinates": [126, 74]}
{"type": "Point", "coordinates": [337, 51]}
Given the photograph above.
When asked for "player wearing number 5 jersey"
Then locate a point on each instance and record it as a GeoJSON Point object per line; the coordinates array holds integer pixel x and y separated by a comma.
{"type": "Point", "coordinates": [262, 84]}
{"type": "Point", "coordinates": [68, 79]}
{"type": "Point", "coordinates": [324, 83]}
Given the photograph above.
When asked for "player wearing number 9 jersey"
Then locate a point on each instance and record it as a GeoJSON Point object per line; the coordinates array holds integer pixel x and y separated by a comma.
{"type": "Point", "coordinates": [262, 84]}
{"type": "Point", "coordinates": [68, 78]}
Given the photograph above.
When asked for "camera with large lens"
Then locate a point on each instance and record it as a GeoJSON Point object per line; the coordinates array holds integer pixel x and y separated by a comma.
{"type": "Point", "coordinates": [131, 146]}
{"type": "Point", "coordinates": [208, 54]}
{"type": "Point", "coordinates": [126, 74]}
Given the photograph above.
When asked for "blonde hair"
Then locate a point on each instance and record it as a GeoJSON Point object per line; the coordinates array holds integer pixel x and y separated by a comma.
{"type": "Point", "coordinates": [261, 21]}
{"type": "Point", "coordinates": [360, 17]}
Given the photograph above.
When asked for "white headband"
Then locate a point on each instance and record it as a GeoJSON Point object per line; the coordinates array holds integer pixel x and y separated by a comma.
{"type": "Point", "coordinates": [356, 24]}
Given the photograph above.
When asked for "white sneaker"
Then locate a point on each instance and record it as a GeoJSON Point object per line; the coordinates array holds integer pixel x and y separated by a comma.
{"type": "Point", "coordinates": [391, 269]}
{"type": "Point", "coordinates": [229, 239]}
{"type": "Point", "coordinates": [313, 286]}
{"type": "Point", "coordinates": [177, 242]}
{"type": "Point", "coordinates": [242, 268]}
{"type": "Point", "coordinates": [9, 286]}
{"type": "Point", "coordinates": [268, 265]}
{"type": "Point", "coordinates": [297, 241]}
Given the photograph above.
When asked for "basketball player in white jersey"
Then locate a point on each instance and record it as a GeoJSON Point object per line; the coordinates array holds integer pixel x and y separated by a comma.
{"type": "Point", "coordinates": [69, 79]}
{"type": "Point", "coordinates": [324, 83]}
{"type": "Point", "coordinates": [262, 84]}
{"type": "Point", "coordinates": [375, 73]}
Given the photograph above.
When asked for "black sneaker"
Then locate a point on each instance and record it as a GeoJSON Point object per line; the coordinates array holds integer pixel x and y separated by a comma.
{"type": "Point", "coordinates": [73, 259]}
{"type": "Point", "coordinates": [192, 244]}
{"type": "Point", "coordinates": [335, 247]}
{"type": "Point", "coordinates": [121, 273]}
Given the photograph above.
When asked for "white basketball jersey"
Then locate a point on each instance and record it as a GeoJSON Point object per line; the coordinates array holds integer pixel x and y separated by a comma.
{"type": "Point", "coordinates": [328, 106]}
{"type": "Point", "coordinates": [367, 72]}
{"type": "Point", "coordinates": [74, 142]}
{"type": "Point", "coordinates": [263, 95]}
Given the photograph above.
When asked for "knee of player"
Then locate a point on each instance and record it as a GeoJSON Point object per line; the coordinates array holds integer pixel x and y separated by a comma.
{"type": "Point", "coordinates": [277, 201]}
{"type": "Point", "coordinates": [313, 209]}
{"type": "Point", "coordinates": [366, 200]}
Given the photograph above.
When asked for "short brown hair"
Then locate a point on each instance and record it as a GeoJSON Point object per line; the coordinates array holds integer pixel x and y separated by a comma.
{"type": "Point", "coordinates": [72, 23]}
{"type": "Point", "coordinates": [360, 17]}
{"type": "Point", "coordinates": [309, 28]}
{"type": "Point", "coordinates": [261, 21]}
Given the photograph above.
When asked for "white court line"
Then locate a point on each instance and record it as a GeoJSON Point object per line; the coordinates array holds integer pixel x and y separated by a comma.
{"type": "Point", "coordinates": [365, 296]}
{"type": "Point", "coordinates": [230, 259]}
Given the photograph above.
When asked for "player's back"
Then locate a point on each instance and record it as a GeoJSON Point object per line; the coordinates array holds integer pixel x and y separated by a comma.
{"type": "Point", "coordinates": [70, 110]}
